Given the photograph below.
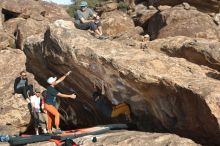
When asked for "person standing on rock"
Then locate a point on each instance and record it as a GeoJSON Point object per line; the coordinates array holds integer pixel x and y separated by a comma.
{"type": "Point", "coordinates": [50, 102]}
{"type": "Point", "coordinates": [83, 21]}
{"type": "Point", "coordinates": [37, 106]}
{"type": "Point", "coordinates": [21, 86]}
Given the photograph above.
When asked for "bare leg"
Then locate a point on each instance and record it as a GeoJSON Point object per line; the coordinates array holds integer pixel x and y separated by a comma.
{"type": "Point", "coordinates": [97, 32]}
{"type": "Point", "coordinates": [100, 29]}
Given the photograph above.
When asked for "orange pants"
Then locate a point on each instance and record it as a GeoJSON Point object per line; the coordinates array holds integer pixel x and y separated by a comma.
{"type": "Point", "coordinates": [51, 113]}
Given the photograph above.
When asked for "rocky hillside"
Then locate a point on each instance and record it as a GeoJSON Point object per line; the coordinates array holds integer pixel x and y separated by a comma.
{"type": "Point", "coordinates": [171, 82]}
{"type": "Point", "coordinates": [19, 20]}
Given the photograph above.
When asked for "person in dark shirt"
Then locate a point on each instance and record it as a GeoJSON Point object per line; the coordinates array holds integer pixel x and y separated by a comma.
{"type": "Point", "coordinates": [101, 103]}
{"type": "Point", "coordinates": [50, 102]}
{"type": "Point", "coordinates": [21, 86]}
{"type": "Point", "coordinates": [106, 107]}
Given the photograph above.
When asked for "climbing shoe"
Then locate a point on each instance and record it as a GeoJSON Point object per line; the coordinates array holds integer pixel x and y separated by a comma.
{"type": "Point", "coordinates": [102, 37]}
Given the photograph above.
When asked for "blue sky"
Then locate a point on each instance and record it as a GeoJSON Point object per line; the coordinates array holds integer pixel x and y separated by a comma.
{"type": "Point", "coordinates": [65, 2]}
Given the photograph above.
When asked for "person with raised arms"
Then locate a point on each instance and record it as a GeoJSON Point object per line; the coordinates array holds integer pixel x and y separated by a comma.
{"type": "Point", "coordinates": [50, 102]}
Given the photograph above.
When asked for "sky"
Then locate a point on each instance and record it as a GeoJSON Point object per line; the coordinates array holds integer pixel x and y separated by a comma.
{"type": "Point", "coordinates": [65, 2]}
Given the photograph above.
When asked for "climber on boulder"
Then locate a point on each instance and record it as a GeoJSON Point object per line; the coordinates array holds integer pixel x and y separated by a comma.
{"type": "Point", "coordinates": [50, 102]}
{"type": "Point", "coordinates": [106, 107]}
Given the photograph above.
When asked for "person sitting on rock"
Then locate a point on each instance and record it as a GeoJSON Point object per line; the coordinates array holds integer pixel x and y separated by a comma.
{"type": "Point", "coordinates": [106, 107]}
{"type": "Point", "coordinates": [21, 86]}
{"type": "Point", "coordinates": [83, 21]}
{"type": "Point", "coordinates": [50, 102]}
{"type": "Point", "coordinates": [37, 106]}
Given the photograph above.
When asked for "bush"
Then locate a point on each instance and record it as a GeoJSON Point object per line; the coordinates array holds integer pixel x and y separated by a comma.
{"type": "Point", "coordinates": [122, 6]}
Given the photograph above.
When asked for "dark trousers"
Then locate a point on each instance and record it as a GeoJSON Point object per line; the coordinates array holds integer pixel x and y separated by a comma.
{"type": "Point", "coordinates": [24, 91]}
{"type": "Point", "coordinates": [91, 25]}
{"type": "Point", "coordinates": [39, 120]}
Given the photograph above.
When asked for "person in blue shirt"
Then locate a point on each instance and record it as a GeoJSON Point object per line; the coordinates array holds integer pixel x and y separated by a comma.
{"type": "Point", "coordinates": [83, 21]}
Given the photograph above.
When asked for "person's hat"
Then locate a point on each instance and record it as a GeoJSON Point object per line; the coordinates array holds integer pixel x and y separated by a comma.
{"type": "Point", "coordinates": [50, 80]}
{"type": "Point", "coordinates": [37, 90]}
{"type": "Point", "coordinates": [83, 4]}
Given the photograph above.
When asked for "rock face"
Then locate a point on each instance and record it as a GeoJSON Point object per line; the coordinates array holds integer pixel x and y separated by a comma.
{"type": "Point", "coordinates": [5, 40]}
{"type": "Point", "coordinates": [28, 28]}
{"type": "Point", "coordinates": [71, 110]}
{"type": "Point", "coordinates": [143, 14]}
{"type": "Point", "coordinates": [199, 51]}
{"type": "Point", "coordinates": [203, 5]}
{"type": "Point", "coordinates": [178, 21]}
{"type": "Point", "coordinates": [32, 9]}
{"type": "Point", "coordinates": [107, 7]}
{"type": "Point", "coordinates": [15, 116]}
{"type": "Point", "coordinates": [18, 20]}
{"type": "Point", "coordinates": [171, 83]}
{"type": "Point", "coordinates": [122, 138]}
{"type": "Point", "coordinates": [28, 17]}
{"type": "Point", "coordinates": [1, 26]}
{"type": "Point", "coordinates": [116, 23]}
{"type": "Point", "coordinates": [165, 94]}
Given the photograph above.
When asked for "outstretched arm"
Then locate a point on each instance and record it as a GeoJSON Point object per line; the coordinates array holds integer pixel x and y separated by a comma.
{"type": "Point", "coordinates": [63, 77]}
{"type": "Point", "coordinates": [73, 96]}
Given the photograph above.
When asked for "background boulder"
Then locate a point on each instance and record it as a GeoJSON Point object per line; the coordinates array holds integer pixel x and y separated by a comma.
{"type": "Point", "coordinates": [178, 21]}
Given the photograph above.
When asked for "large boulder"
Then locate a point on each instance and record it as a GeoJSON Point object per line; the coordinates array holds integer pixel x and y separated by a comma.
{"type": "Point", "coordinates": [116, 23]}
{"type": "Point", "coordinates": [15, 116]}
{"type": "Point", "coordinates": [165, 94]}
{"type": "Point", "coordinates": [119, 26]}
{"type": "Point", "coordinates": [28, 28]}
{"type": "Point", "coordinates": [38, 10]}
{"type": "Point", "coordinates": [178, 21]}
{"type": "Point", "coordinates": [142, 14]}
{"type": "Point", "coordinates": [106, 7]}
{"type": "Point", "coordinates": [131, 37]}
{"type": "Point", "coordinates": [1, 20]}
{"type": "Point", "coordinates": [6, 40]}
{"type": "Point", "coordinates": [72, 111]}
{"type": "Point", "coordinates": [203, 5]}
{"type": "Point", "coordinates": [199, 51]}
{"type": "Point", "coordinates": [123, 137]}
{"type": "Point", "coordinates": [11, 26]}
{"type": "Point", "coordinates": [28, 17]}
